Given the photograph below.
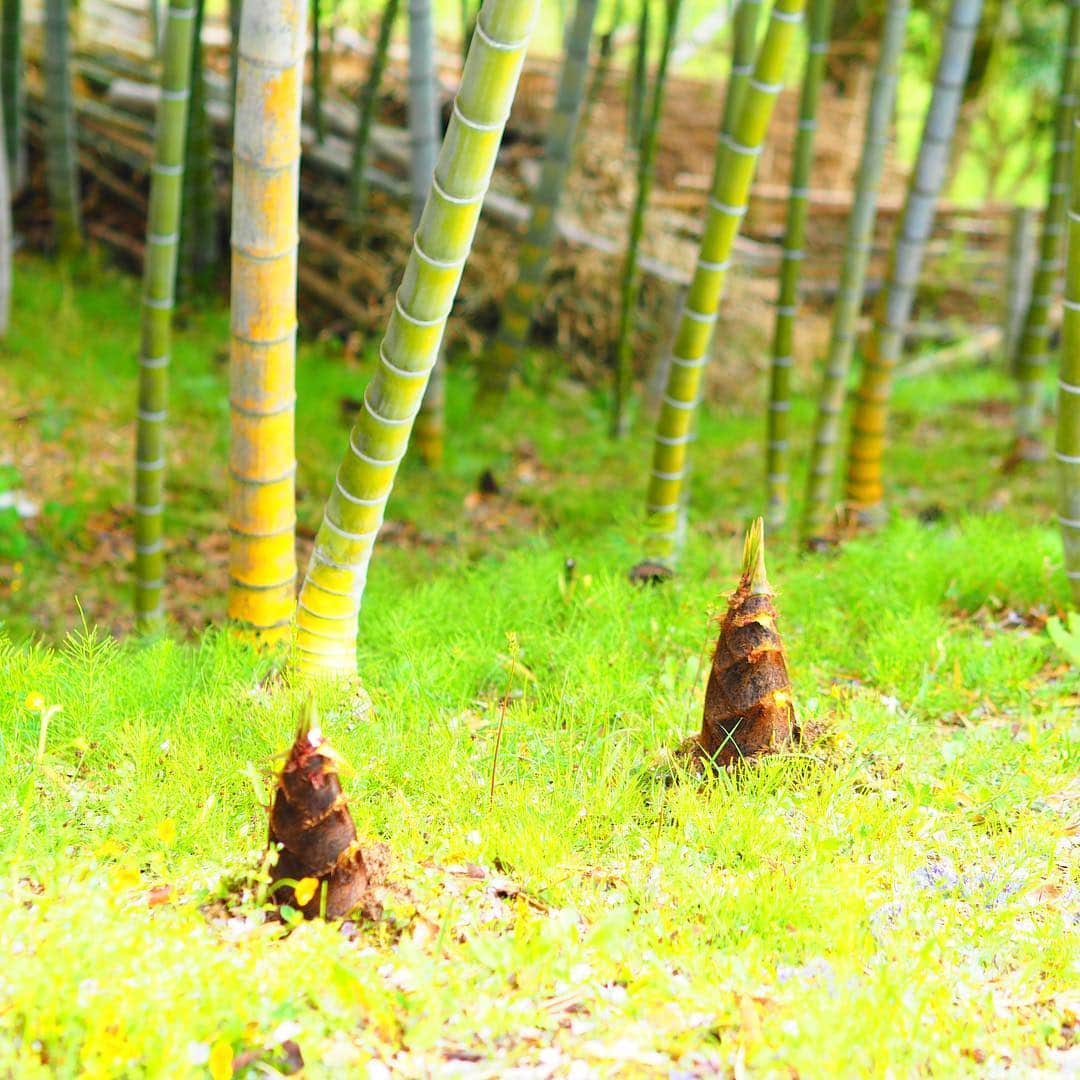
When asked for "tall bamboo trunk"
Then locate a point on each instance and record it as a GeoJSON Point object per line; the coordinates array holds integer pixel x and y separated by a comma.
{"type": "Point", "coordinates": [317, 75]}
{"type": "Point", "coordinates": [631, 275]}
{"type": "Point", "coordinates": [744, 26]}
{"type": "Point", "coordinates": [61, 154]}
{"type": "Point", "coordinates": [1033, 353]}
{"type": "Point", "coordinates": [6, 239]}
{"type": "Point", "coordinates": [1019, 272]}
{"type": "Point", "coordinates": [199, 229]}
{"type": "Point", "coordinates": [12, 94]}
{"type": "Point", "coordinates": [262, 457]}
{"type": "Point", "coordinates": [857, 248]}
{"type": "Point", "coordinates": [639, 83]}
{"type": "Point", "coordinates": [776, 472]}
{"type": "Point", "coordinates": [159, 281]}
{"type": "Point", "coordinates": [865, 489]}
{"type": "Point", "coordinates": [369, 99]}
{"type": "Point", "coordinates": [520, 302]}
{"type": "Point", "coordinates": [334, 584]}
{"type": "Point", "coordinates": [1068, 424]}
{"type": "Point", "coordinates": [736, 161]}
{"type": "Point", "coordinates": [234, 11]}
{"type": "Point", "coordinates": [423, 146]}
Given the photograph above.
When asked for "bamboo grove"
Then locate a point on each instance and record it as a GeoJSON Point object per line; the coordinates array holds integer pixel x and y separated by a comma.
{"type": "Point", "coordinates": [453, 143]}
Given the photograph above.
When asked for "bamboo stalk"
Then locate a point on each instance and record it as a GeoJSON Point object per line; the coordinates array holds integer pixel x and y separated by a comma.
{"type": "Point", "coordinates": [423, 144]}
{"type": "Point", "coordinates": [603, 64]}
{"type": "Point", "coordinates": [631, 276]}
{"type": "Point", "coordinates": [744, 26]}
{"type": "Point", "coordinates": [199, 228]}
{"type": "Point", "coordinates": [262, 460]}
{"type": "Point", "coordinates": [318, 115]}
{"type": "Point", "coordinates": [776, 472]}
{"type": "Point", "coordinates": [61, 164]}
{"type": "Point", "coordinates": [639, 83]}
{"type": "Point", "coordinates": [12, 94]}
{"type": "Point", "coordinates": [736, 160]}
{"type": "Point", "coordinates": [865, 489]}
{"type": "Point", "coordinates": [1019, 269]}
{"type": "Point", "coordinates": [521, 299]}
{"type": "Point", "coordinates": [1068, 425]}
{"type": "Point", "coordinates": [6, 237]}
{"type": "Point", "coordinates": [1033, 352]}
{"type": "Point", "coordinates": [369, 98]}
{"type": "Point", "coordinates": [334, 584]}
{"type": "Point", "coordinates": [159, 281]}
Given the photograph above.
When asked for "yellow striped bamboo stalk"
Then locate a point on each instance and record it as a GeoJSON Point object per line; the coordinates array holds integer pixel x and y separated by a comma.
{"type": "Point", "coordinates": [1068, 429]}
{"type": "Point", "coordinates": [330, 598]}
{"type": "Point", "coordinates": [159, 290]}
{"type": "Point", "coordinates": [776, 471]}
{"type": "Point", "coordinates": [865, 487]}
{"type": "Point", "coordinates": [743, 48]}
{"type": "Point", "coordinates": [736, 161]}
{"type": "Point", "coordinates": [857, 248]}
{"type": "Point", "coordinates": [1033, 350]}
{"type": "Point", "coordinates": [262, 456]}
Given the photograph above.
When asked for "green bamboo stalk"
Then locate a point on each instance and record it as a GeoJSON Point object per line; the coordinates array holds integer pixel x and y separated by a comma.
{"type": "Point", "coordinates": [423, 112]}
{"type": "Point", "coordinates": [857, 248]}
{"type": "Point", "coordinates": [736, 161]}
{"type": "Point", "coordinates": [865, 489]}
{"type": "Point", "coordinates": [159, 279]}
{"type": "Point", "coordinates": [631, 276]}
{"type": "Point", "coordinates": [235, 10]}
{"type": "Point", "coordinates": [639, 82]}
{"type": "Point", "coordinates": [369, 98]}
{"type": "Point", "coordinates": [199, 228]}
{"type": "Point", "coordinates": [319, 113]}
{"type": "Point", "coordinates": [61, 158]}
{"type": "Point", "coordinates": [334, 584]}
{"type": "Point", "coordinates": [1019, 272]}
{"type": "Point", "coordinates": [521, 300]}
{"type": "Point", "coordinates": [12, 93]}
{"type": "Point", "coordinates": [1033, 353]}
{"type": "Point", "coordinates": [783, 346]}
{"type": "Point", "coordinates": [1068, 424]}
{"type": "Point", "coordinates": [262, 455]}
{"type": "Point", "coordinates": [603, 64]}
{"type": "Point", "coordinates": [744, 25]}
{"type": "Point", "coordinates": [6, 237]}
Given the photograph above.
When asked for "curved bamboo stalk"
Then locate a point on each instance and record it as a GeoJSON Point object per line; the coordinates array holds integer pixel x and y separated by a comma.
{"type": "Point", "coordinates": [334, 585]}
{"type": "Point", "coordinates": [1033, 352]}
{"type": "Point", "coordinates": [6, 239]}
{"type": "Point", "coordinates": [369, 98]}
{"type": "Point", "coordinates": [61, 159]}
{"type": "Point", "coordinates": [159, 280]}
{"type": "Point", "coordinates": [1068, 426]}
{"type": "Point", "coordinates": [521, 299]}
{"type": "Point", "coordinates": [12, 94]}
{"type": "Point", "coordinates": [199, 229]}
{"type": "Point", "coordinates": [262, 456]}
{"type": "Point", "coordinates": [631, 276]}
{"type": "Point", "coordinates": [423, 147]}
{"type": "Point", "coordinates": [776, 471]}
{"type": "Point", "coordinates": [744, 26]}
{"type": "Point", "coordinates": [736, 161]}
{"type": "Point", "coordinates": [857, 247]}
{"type": "Point", "coordinates": [865, 490]}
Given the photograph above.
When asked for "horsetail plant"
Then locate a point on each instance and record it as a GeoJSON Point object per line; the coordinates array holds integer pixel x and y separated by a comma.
{"type": "Point", "coordinates": [262, 459]}
{"type": "Point", "coordinates": [857, 248]}
{"type": "Point", "coordinates": [159, 285]}
{"type": "Point", "coordinates": [61, 156]}
{"type": "Point", "coordinates": [1033, 352]}
{"type": "Point", "coordinates": [736, 161]}
{"type": "Point", "coordinates": [334, 584]}
{"type": "Point", "coordinates": [12, 91]}
{"type": "Point", "coordinates": [776, 473]}
{"type": "Point", "coordinates": [865, 491]}
{"type": "Point", "coordinates": [369, 98]}
{"type": "Point", "coordinates": [520, 301]}
{"type": "Point", "coordinates": [1068, 423]}
{"type": "Point", "coordinates": [423, 146]}
{"type": "Point", "coordinates": [631, 275]}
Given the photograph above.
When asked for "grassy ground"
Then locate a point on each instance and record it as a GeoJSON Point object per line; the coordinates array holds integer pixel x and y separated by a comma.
{"type": "Point", "coordinates": [900, 897]}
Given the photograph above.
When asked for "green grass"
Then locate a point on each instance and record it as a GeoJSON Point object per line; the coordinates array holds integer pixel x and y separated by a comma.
{"type": "Point", "coordinates": [898, 898]}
